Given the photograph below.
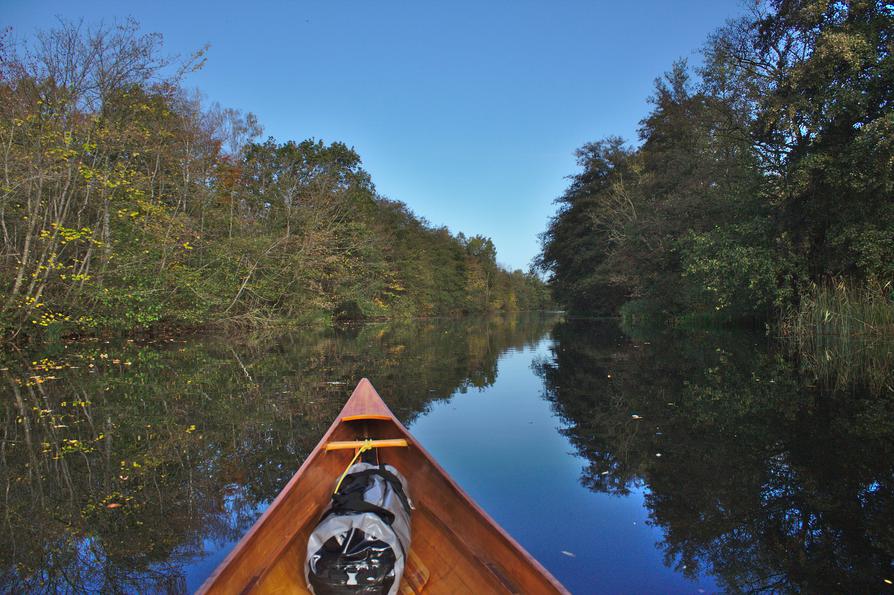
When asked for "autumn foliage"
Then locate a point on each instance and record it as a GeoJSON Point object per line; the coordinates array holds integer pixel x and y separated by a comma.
{"type": "Point", "coordinates": [126, 203]}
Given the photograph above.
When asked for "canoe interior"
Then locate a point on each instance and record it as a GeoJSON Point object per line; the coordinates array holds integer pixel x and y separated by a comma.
{"type": "Point", "coordinates": [456, 547]}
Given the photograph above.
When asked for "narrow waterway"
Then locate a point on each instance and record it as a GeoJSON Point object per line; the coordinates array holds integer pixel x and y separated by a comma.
{"type": "Point", "coordinates": [626, 461]}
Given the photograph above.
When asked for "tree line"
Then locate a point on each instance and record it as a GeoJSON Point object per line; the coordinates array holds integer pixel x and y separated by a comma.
{"type": "Point", "coordinates": [760, 177]}
{"type": "Point", "coordinates": [128, 203]}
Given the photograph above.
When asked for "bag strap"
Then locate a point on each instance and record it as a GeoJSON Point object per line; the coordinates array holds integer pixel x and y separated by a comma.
{"type": "Point", "coordinates": [391, 479]}
{"type": "Point", "coordinates": [350, 497]}
{"type": "Point", "coordinates": [351, 502]}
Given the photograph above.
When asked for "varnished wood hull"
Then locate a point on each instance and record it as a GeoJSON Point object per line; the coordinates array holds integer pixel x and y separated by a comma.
{"type": "Point", "coordinates": [456, 546]}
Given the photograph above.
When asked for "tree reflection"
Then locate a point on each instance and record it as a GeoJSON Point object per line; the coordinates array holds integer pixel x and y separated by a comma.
{"type": "Point", "coordinates": [123, 463]}
{"type": "Point", "coordinates": [756, 473]}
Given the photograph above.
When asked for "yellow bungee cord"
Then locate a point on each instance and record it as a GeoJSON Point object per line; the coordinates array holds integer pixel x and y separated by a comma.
{"type": "Point", "coordinates": [367, 445]}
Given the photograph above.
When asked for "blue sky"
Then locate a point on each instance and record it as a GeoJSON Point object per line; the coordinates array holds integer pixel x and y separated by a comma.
{"type": "Point", "coordinates": [469, 112]}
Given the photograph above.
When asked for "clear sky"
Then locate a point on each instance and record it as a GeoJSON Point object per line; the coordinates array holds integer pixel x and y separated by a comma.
{"type": "Point", "coordinates": [468, 111]}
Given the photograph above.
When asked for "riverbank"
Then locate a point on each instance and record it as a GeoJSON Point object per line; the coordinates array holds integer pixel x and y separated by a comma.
{"type": "Point", "coordinates": [843, 309]}
{"type": "Point", "coordinates": [744, 194]}
{"type": "Point", "coordinates": [140, 208]}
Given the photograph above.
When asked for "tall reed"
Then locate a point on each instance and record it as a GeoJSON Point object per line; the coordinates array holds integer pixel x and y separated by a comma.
{"type": "Point", "coordinates": [842, 309]}
{"type": "Point", "coordinates": [844, 334]}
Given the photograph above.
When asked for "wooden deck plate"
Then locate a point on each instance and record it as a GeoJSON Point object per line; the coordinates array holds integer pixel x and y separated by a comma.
{"type": "Point", "coordinates": [416, 575]}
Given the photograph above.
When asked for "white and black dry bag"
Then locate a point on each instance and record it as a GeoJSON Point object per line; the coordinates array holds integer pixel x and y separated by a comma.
{"type": "Point", "coordinates": [361, 543]}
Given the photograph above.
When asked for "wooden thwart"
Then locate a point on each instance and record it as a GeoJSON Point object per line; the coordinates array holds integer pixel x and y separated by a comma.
{"type": "Point", "coordinates": [355, 444]}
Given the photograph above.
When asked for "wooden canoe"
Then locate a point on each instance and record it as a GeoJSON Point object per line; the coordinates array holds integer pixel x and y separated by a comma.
{"type": "Point", "coordinates": [456, 547]}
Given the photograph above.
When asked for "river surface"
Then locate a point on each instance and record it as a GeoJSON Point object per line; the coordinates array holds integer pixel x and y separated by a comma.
{"type": "Point", "coordinates": [625, 460]}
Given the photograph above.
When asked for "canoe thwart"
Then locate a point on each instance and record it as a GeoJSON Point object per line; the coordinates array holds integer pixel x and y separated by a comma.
{"type": "Point", "coordinates": [365, 416]}
{"type": "Point", "coordinates": [355, 444]}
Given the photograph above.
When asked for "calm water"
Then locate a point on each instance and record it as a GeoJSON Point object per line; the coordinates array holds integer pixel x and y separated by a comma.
{"type": "Point", "coordinates": [626, 462]}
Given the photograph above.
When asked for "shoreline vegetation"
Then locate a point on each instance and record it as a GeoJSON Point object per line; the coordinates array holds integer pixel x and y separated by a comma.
{"type": "Point", "coordinates": [130, 205]}
{"type": "Point", "coordinates": [838, 309]}
{"type": "Point", "coordinates": [845, 336]}
{"type": "Point", "coordinates": [760, 192]}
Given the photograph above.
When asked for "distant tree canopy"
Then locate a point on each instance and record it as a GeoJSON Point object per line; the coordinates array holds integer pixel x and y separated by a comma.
{"type": "Point", "coordinates": [127, 204]}
{"type": "Point", "coordinates": [771, 171]}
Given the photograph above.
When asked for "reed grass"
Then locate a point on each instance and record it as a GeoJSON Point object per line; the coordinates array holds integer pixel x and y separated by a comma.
{"type": "Point", "coordinates": [842, 309]}
{"type": "Point", "coordinates": [844, 335]}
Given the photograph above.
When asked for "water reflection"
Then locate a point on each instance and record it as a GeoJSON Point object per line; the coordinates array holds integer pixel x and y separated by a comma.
{"type": "Point", "coordinates": [122, 464]}
{"type": "Point", "coordinates": [132, 467]}
{"type": "Point", "coordinates": [756, 473]}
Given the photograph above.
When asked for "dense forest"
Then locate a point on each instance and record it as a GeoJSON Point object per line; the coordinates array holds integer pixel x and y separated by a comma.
{"type": "Point", "coordinates": [761, 186]}
{"type": "Point", "coordinates": [129, 203]}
